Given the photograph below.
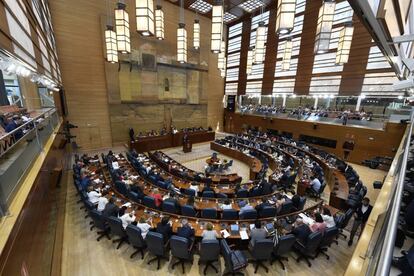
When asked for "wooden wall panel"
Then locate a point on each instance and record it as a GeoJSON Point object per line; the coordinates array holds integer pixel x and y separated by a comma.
{"type": "Point", "coordinates": [80, 48]}
{"type": "Point", "coordinates": [354, 70]}
{"type": "Point", "coordinates": [271, 53]}
{"type": "Point", "coordinates": [306, 53]}
{"type": "Point", "coordinates": [368, 142]}
{"type": "Point", "coordinates": [245, 42]}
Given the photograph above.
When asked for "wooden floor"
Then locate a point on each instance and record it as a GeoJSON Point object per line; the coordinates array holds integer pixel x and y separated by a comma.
{"type": "Point", "coordinates": [83, 255]}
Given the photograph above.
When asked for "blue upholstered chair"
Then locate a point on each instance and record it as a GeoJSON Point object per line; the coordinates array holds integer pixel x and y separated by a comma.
{"type": "Point", "coordinates": [100, 223]}
{"type": "Point", "coordinates": [249, 214]}
{"type": "Point", "coordinates": [310, 248]}
{"type": "Point", "coordinates": [149, 202]}
{"type": "Point", "coordinates": [209, 213]}
{"type": "Point", "coordinates": [189, 211]}
{"type": "Point", "coordinates": [181, 248]}
{"type": "Point", "coordinates": [168, 206]}
{"type": "Point", "coordinates": [230, 214]}
{"type": "Point", "coordinates": [136, 240]}
{"type": "Point", "coordinates": [283, 246]}
{"type": "Point", "coordinates": [328, 238]}
{"type": "Point", "coordinates": [115, 224]}
{"type": "Point", "coordinates": [209, 194]}
{"type": "Point", "coordinates": [261, 251]}
{"type": "Point", "coordinates": [268, 212]}
{"type": "Point", "coordinates": [286, 207]}
{"type": "Point", "coordinates": [156, 246]}
{"type": "Point", "coordinates": [235, 261]}
{"type": "Point", "coordinates": [209, 253]}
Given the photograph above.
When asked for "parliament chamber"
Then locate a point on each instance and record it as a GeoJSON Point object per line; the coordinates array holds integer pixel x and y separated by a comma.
{"type": "Point", "coordinates": [207, 137]}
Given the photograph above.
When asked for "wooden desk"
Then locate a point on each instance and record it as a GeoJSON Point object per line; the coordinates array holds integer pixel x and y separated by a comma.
{"type": "Point", "coordinates": [254, 164]}
{"type": "Point", "coordinates": [194, 137]}
{"type": "Point", "coordinates": [144, 144]}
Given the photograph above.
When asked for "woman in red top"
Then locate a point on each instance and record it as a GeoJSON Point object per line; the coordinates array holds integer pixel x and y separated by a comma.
{"type": "Point", "coordinates": [319, 225]}
{"type": "Point", "coordinates": [158, 198]}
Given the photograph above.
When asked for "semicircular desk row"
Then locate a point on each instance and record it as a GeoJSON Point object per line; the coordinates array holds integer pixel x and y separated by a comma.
{"type": "Point", "coordinates": [146, 211]}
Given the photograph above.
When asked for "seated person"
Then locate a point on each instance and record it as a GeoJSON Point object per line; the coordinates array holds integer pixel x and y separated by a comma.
{"type": "Point", "coordinates": [319, 225]}
{"type": "Point", "coordinates": [296, 202]}
{"type": "Point", "coordinates": [315, 184]}
{"type": "Point", "coordinates": [209, 233]}
{"type": "Point", "coordinates": [244, 206]}
{"type": "Point", "coordinates": [127, 218]}
{"type": "Point", "coordinates": [214, 158]}
{"type": "Point", "coordinates": [190, 201]}
{"type": "Point", "coordinates": [110, 209]}
{"type": "Point", "coordinates": [164, 228]}
{"type": "Point", "coordinates": [185, 230]}
{"type": "Point", "coordinates": [85, 181]}
{"type": "Point", "coordinates": [264, 203]}
{"type": "Point", "coordinates": [301, 230]}
{"type": "Point", "coordinates": [144, 226]}
{"type": "Point", "coordinates": [207, 188]}
{"type": "Point", "coordinates": [328, 218]}
{"type": "Point", "coordinates": [257, 233]}
{"type": "Point", "coordinates": [158, 197]}
{"type": "Point", "coordinates": [194, 186]}
{"type": "Point", "coordinates": [102, 201]}
{"type": "Point", "coordinates": [173, 199]}
{"type": "Point", "coordinates": [93, 196]}
{"type": "Point", "coordinates": [226, 205]}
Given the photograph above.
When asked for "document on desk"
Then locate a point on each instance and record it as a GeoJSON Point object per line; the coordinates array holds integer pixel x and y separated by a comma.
{"type": "Point", "coordinates": [244, 235]}
{"type": "Point", "coordinates": [306, 219]}
{"type": "Point", "coordinates": [115, 165]}
{"type": "Point", "coordinates": [225, 233]}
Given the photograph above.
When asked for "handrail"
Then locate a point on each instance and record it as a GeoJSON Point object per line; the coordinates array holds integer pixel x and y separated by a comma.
{"type": "Point", "coordinates": [8, 141]}
{"type": "Point", "coordinates": [384, 263]}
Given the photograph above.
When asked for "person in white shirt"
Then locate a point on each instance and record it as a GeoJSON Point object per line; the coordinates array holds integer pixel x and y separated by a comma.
{"type": "Point", "coordinates": [144, 226]}
{"type": "Point", "coordinates": [93, 196]}
{"type": "Point", "coordinates": [127, 218]}
{"type": "Point", "coordinates": [102, 201]}
{"type": "Point", "coordinates": [328, 218]}
{"type": "Point", "coordinates": [194, 187]}
{"type": "Point", "coordinates": [226, 205]}
{"type": "Point", "coordinates": [315, 184]}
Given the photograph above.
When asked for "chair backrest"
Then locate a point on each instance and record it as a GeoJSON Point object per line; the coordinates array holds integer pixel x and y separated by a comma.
{"type": "Point", "coordinates": [189, 211]}
{"type": "Point", "coordinates": [242, 193]}
{"type": "Point", "coordinates": [249, 214]}
{"type": "Point", "coordinates": [329, 236]}
{"type": "Point", "coordinates": [135, 236]}
{"type": "Point", "coordinates": [348, 215]}
{"type": "Point", "coordinates": [121, 187]}
{"type": "Point", "coordinates": [168, 206]}
{"type": "Point", "coordinates": [179, 247]}
{"type": "Point", "coordinates": [98, 219]}
{"type": "Point", "coordinates": [149, 202]}
{"type": "Point", "coordinates": [284, 245]}
{"type": "Point", "coordinates": [286, 207]}
{"type": "Point", "coordinates": [209, 250]}
{"type": "Point", "coordinates": [312, 243]}
{"type": "Point", "coordinates": [209, 213]}
{"type": "Point", "coordinates": [230, 214]}
{"type": "Point", "coordinates": [262, 249]}
{"type": "Point", "coordinates": [190, 192]}
{"type": "Point", "coordinates": [322, 188]}
{"type": "Point", "coordinates": [116, 226]}
{"type": "Point", "coordinates": [268, 212]}
{"type": "Point", "coordinates": [134, 196]}
{"type": "Point", "coordinates": [208, 194]}
{"type": "Point", "coordinates": [155, 243]}
{"type": "Point", "coordinates": [221, 195]}
{"type": "Point", "coordinates": [256, 191]}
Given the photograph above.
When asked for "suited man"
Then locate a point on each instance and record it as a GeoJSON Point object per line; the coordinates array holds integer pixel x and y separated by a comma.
{"type": "Point", "coordinates": [301, 230]}
{"type": "Point", "coordinates": [110, 209]}
{"type": "Point", "coordinates": [164, 228]}
{"type": "Point", "coordinates": [361, 216]}
{"type": "Point", "coordinates": [185, 230]}
{"type": "Point", "coordinates": [266, 188]}
{"type": "Point", "coordinates": [260, 206]}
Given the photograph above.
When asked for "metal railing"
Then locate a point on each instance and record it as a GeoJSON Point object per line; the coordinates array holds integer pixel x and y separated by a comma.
{"type": "Point", "coordinates": [18, 150]}
{"type": "Point", "coordinates": [389, 233]}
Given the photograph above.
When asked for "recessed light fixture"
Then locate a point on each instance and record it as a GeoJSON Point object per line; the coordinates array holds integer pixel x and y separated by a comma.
{"type": "Point", "coordinates": [251, 5]}
{"type": "Point", "coordinates": [201, 6]}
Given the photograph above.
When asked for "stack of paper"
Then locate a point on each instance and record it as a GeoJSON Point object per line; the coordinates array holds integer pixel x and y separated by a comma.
{"type": "Point", "coordinates": [225, 233]}
{"type": "Point", "coordinates": [244, 235]}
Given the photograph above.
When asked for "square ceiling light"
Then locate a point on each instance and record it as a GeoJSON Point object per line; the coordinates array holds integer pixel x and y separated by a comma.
{"type": "Point", "coordinates": [201, 6]}
{"type": "Point", "coordinates": [251, 5]}
{"type": "Point", "coordinates": [229, 17]}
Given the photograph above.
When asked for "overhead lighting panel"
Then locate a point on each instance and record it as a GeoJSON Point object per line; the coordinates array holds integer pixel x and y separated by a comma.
{"type": "Point", "coordinates": [344, 45]}
{"type": "Point", "coordinates": [145, 17]}
{"type": "Point", "coordinates": [324, 28]}
{"type": "Point", "coordinates": [251, 5]}
{"type": "Point", "coordinates": [201, 6]}
{"type": "Point", "coordinates": [285, 16]}
{"type": "Point", "coordinates": [228, 17]}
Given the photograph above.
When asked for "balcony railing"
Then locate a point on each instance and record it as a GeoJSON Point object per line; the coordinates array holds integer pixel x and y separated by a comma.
{"type": "Point", "coordinates": [19, 148]}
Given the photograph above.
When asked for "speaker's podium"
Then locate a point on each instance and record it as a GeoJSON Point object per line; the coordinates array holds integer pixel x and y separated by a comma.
{"type": "Point", "coordinates": [187, 146]}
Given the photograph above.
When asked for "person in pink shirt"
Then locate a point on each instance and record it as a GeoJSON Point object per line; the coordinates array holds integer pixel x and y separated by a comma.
{"type": "Point", "coordinates": [319, 225]}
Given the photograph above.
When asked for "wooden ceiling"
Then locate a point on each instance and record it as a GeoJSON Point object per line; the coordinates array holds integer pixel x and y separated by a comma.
{"type": "Point", "coordinates": [236, 9]}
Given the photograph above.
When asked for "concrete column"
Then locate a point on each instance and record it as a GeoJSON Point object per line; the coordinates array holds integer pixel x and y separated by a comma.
{"type": "Point", "coordinates": [315, 105]}
{"type": "Point", "coordinates": [358, 105]}
{"type": "Point", "coordinates": [284, 100]}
